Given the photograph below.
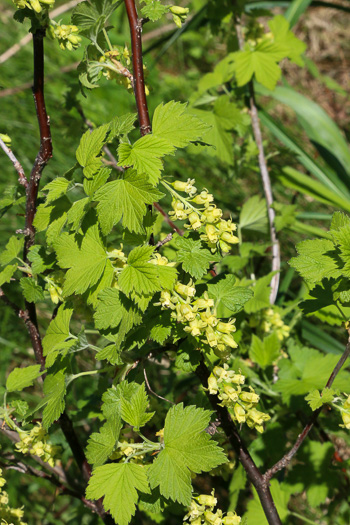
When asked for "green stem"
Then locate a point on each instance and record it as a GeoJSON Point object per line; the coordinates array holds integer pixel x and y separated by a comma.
{"type": "Point", "coordinates": [306, 520]}
{"type": "Point", "coordinates": [88, 373]}
{"type": "Point", "coordinates": [341, 311]}
{"type": "Point", "coordinates": [107, 39]}
{"type": "Point", "coordinates": [178, 196]}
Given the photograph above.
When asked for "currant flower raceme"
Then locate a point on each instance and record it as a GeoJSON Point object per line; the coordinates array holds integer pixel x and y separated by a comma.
{"type": "Point", "coordinates": [345, 414]}
{"type": "Point", "coordinates": [9, 515]}
{"type": "Point", "coordinates": [201, 512]}
{"type": "Point", "coordinates": [226, 384]}
{"type": "Point", "coordinates": [179, 14]}
{"type": "Point", "coordinates": [208, 217]}
{"type": "Point", "coordinates": [67, 35]}
{"type": "Point", "coordinates": [199, 317]}
{"type": "Point", "coordinates": [34, 5]}
{"type": "Point", "coordinates": [268, 321]}
{"type": "Point", "coordinates": [35, 442]}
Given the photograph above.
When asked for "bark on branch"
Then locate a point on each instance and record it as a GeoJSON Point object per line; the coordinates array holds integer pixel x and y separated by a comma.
{"type": "Point", "coordinates": [137, 62]}
{"type": "Point", "coordinates": [265, 178]}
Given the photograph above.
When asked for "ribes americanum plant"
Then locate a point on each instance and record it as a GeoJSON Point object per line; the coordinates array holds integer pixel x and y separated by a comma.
{"type": "Point", "coordinates": [190, 360]}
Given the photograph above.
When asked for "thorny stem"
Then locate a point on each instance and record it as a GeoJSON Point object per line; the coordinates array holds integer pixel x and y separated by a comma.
{"type": "Point", "coordinates": [18, 167]}
{"type": "Point", "coordinates": [257, 479]}
{"type": "Point", "coordinates": [284, 462]}
{"type": "Point", "coordinates": [265, 177]}
{"type": "Point", "coordinates": [137, 61]}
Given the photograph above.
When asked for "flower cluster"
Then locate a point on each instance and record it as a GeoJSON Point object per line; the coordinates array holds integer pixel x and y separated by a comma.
{"type": "Point", "coordinates": [268, 321]}
{"type": "Point", "coordinates": [216, 231]}
{"type": "Point", "coordinates": [179, 14]}
{"type": "Point", "coordinates": [201, 512]}
{"type": "Point", "coordinates": [240, 403]}
{"type": "Point", "coordinates": [7, 514]}
{"type": "Point", "coordinates": [199, 317]}
{"type": "Point", "coordinates": [35, 442]}
{"type": "Point", "coordinates": [34, 5]}
{"type": "Point", "coordinates": [345, 414]}
{"type": "Point", "coordinates": [67, 35]}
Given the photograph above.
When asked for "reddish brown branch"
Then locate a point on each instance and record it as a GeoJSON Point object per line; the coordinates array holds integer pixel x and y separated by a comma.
{"type": "Point", "coordinates": [257, 479]}
{"type": "Point", "coordinates": [137, 61]}
{"type": "Point", "coordinates": [18, 167]}
{"type": "Point", "coordinates": [284, 462]}
{"type": "Point", "coordinates": [45, 151]}
{"type": "Point", "coordinates": [167, 218]}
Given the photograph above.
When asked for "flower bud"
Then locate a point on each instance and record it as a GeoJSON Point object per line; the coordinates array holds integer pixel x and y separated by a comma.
{"type": "Point", "coordinates": [212, 385]}
{"type": "Point", "coordinates": [185, 290]}
{"type": "Point", "coordinates": [177, 10]}
{"type": "Point", "coordinates": [208, 501]}
{"type": "Point", "coordinates": [231, 519]}
{"type": "Point", "coordinates": [194, 220]}
{"type": "Point", "coordinates": [229, 238]}
{"type": "Point", "coordinates": [228, 340]}
{"type": "Point", "coordinates": [249, 397]}
{"type": "Point", "coordinates": [239, 413]}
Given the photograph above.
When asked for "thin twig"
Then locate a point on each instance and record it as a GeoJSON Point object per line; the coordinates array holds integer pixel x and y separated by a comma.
{"type": "Point", "coordinates": [167, 219]}
{"type": "Point", "coordinates": [18, 167]}
{"type": "Point", "coordinates": [152, 391]}
{"type": "Point", "coordinates": [265, 177]}
{"type": "Point", "coordinates": [257, 479]}
{"type": "Point", "coordinates": [137, 61]}
{"type": "Point", "coordinates": [27, 38]}
{"type": "Point", "coordinates": [164, 241]}
{"type": "Point", "coordinates": [284, 462]}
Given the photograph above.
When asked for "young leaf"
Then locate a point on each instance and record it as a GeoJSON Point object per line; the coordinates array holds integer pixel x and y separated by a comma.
{"type": "Point", "coordinates": [261, 292]}
{"type": "Point", "coordinates": [21, 378]}
{"type": "Point", "coordinates": [54, 389]}
{"type": "Point", "coordinates": [31, 290]}
{"type": "Point", "coordinates": [7, 273]}
{"type": "Point", "coordinates": [187, 447]}
{"type": "Point", "coordinates": [316, 260]}
{"type": "Point", "coordinates": [101, 444]}
{"type": "Point", "coordinates": [316, 400]}
{"type": "Point", "coordinates": [118, 484]}
{"type": "Point", "coordinates": [176, 125]}
{"type": "Point", "coordinates": [195, 260]}
{"type": "Point", "coordinates": [133, 411]}
{"type": "Point", "coordinates": [87, 264]}
{"type": "Point", "coordinates": [121, 125]}
{"type": "Point", "coordinates": [145, 155]}
{"type": "Point", "coordinates": [40, 260]}
{"type": "Point", "coordinates": [89, 148]}
{"type": "Point", "coordinates": [58, 330]}
{"type": "Point", "coordinates": [154, 9]}
{"type": "Point", "coordinates": [265, 352]}
{"type": "Point", "coordinates": [139, 274]}
{"type": "Point", "coordinates": [56, 188]}
{"type": "Point", "coordinates": [100, 178]}
{"type": "Point", "coordinates": [125, 199]}
{"type": "Point", "coordinates": [115, 310]}
{"type": "Point", "coordinates": [13, 248]}
{"type": "Point", "coordinates": [232, 297]}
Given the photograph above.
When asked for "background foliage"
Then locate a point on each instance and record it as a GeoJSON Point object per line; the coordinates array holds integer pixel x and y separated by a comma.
{"type": "Point", "coordinates": [305, 127]}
